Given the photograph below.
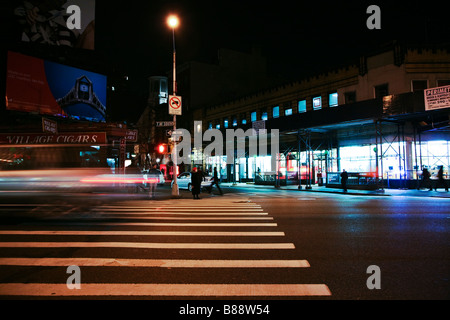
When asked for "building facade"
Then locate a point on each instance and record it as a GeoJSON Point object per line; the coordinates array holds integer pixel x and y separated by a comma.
{"type": "Point", "coordinates": [369, 118]}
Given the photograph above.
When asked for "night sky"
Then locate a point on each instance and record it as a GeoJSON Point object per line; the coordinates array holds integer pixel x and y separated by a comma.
{"type": "Point", "coordinates": [297, 38]}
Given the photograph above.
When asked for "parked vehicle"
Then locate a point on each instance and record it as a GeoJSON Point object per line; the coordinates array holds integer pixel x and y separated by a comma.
{"type": "Point", "coordinates": [184, 182]}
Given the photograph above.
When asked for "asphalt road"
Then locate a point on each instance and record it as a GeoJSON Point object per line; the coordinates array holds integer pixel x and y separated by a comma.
{"type": "Point", "coordinates": [329, 241]}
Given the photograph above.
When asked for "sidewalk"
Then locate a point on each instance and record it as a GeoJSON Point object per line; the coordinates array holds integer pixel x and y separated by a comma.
{"type": "Point", "coordinates": [441, 193]}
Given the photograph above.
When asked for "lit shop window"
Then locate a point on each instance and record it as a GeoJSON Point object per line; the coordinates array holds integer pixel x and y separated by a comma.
{"type": "Point", "coordinates": [288, 112]}
{"type": "Point", "coordinates": [225, 123]}
{"type": "Point", "coordinates": [276, 112]}
{"type": "Point", "coordinates": [264, 116]}
{"type": "Point", "coordinates": [235, 122]}
{"type": "Point", "coordinates": [302, 106]}
{"type": "Point", "coordinates": [243, 118]}
{"type": "Point", "coordinates": [333, 99]}
{"type": "Point", "coordinates": [253, 116]}
{"type": "Point", "coordinates": [317, 103]}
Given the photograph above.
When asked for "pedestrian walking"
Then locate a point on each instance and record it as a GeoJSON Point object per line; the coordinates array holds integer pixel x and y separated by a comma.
{"type": "Point", "coordinates": [344, 178]}
{"type": "Point", "coordinates": [216, 181]}
{"type": "Point", "coordinates": [426, 181]}
{"type": "Point", "coordinates": [441, 181]}
{"type": "Point", "coordinates": [196, 183]}
{"type": "Point", "coordinates": [134, 174]}
{"type": "Point", "coordinates": [153, 178]}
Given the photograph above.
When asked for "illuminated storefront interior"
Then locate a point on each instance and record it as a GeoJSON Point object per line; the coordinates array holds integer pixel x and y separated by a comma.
{"type": "Point", "coordinates": [400, 160]}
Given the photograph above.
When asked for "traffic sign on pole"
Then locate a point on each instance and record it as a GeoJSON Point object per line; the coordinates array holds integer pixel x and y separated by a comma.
{"type": "Point", "coordinates": [164, 123]}
{"type": "Point", "coordinates": [175, 105]}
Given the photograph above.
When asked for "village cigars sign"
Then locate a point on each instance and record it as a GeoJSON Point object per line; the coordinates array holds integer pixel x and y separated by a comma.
{"type": "Point", "coordinates": [49, 138]}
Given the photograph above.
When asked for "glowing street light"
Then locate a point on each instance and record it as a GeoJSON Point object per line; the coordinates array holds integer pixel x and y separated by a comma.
{"type": "Point", "coordinates": [173, 22]}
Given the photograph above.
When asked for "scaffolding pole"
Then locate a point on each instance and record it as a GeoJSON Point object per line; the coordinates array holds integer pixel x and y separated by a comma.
{"type": "Point", "coordinates": [306, 139]}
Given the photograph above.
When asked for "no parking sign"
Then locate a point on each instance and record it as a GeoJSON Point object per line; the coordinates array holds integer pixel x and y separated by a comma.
{"type": "Point", "coordinates": [175, 105]}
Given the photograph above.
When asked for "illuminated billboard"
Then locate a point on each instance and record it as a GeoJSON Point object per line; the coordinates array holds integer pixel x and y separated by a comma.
{"type": "Point", "coordinates": [49, 88]}
{"type": "Point", "coordinates": [56, 22]}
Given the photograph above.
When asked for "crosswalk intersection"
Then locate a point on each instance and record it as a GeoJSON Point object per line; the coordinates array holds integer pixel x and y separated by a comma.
{"type": "Point", "coordinates": [191, 248]}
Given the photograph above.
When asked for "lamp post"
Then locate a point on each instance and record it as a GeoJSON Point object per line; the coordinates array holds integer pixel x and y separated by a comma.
{"type": "Point", "coordinates": [173, 23]}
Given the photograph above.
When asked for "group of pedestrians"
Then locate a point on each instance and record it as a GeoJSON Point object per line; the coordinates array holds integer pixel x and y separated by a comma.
{"type": "Point", "coordinates": [143, 181]}
{"type": "Point", "coordinates": [196, 182]}
{"type": "Point", "coordinates": [427, 182]}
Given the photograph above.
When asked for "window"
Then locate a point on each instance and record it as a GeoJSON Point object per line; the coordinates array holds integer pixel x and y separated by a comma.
{"type": "Point", "coordinates": [210, 125]}
{"type": "Point", "coordinates": [225, 123]}
{"type": "Point", "coordinates": [381, 90]}
{"type": "Point", "coordinates": [253, 116]}
{"type": "Point", "coordinates": [419, 85]}
{"type": "Point", "coordinates": [243, 118]}
{"type": "Point", "coordinates": [317, 103]}
{"type": "Point", "coordinates": [276, 112]}
{"type": "Point", "coordinates": [235, 122]}
{"type": "Point", "coordinates": [302, 106]}
{"type": "Point", "coordinates": [350, 97]}
{"type": "Point", "coordinates": [288, 112]}
{"type": "Point", "coordinates": [264, 115]}
{"type": "Point", "coordinates": [218, 126]}
{"type": "Point", "coordinates": [441, 83]}
{"type": "Point", "coordinates": [333, 99]}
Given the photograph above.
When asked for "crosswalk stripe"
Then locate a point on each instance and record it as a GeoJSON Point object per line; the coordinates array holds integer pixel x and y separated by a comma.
{"type": "Point", "coordinates": [147, 245]}
{"type": "Point", "coordinates": [141, 233]}
{"type": "Point", "coordinates": [164, 224]}
{"type": "Point", "coordinates": [178, 210]}
{"type": "Point", "coordinates": [181, 207]}
{"type": "Point", "coordinates": [162, 289]}
{"type": "Point", "coordinates": [162, 263]}
{"type": "Point", "coordinates": [188, 213]}
{"type": "Point", "coordinates": [177, 218]}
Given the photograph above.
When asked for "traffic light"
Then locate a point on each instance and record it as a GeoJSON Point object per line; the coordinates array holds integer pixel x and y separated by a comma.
{"type": "Point", "coordinates": [162, 148]}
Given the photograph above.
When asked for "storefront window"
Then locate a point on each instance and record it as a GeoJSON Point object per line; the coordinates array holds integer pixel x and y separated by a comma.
{"type": "Point", "coordinates": [276, 112]}
{"type": "Point", "coordinates": [317, 103]}
{"type": "Point", "coordinates": [434, 154]}
{"type": "Point", "coordinates": [302, 106]}
{"type": "Point", "coordinates": [333, 99]}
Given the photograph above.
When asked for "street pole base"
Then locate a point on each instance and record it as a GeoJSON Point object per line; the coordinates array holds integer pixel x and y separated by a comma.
{"type": "Point", "coordinates": [175, 191]}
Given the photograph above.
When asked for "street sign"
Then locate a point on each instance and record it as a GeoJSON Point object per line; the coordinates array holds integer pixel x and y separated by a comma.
{"type": "Point", "coordinates": [164, 123]}
{"type": "Point", "coordinates": [437, 98]}
{"type": "Point", "coordinates": [49, 126]}
{"type": "Point", "coordinates": [131, 135]}
{"type": "Point", "coordinates": [175, 105]}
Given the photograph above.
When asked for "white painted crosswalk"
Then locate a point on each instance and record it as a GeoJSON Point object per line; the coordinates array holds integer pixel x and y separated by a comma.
{"type": "Point", "coordinates": [227, 225]}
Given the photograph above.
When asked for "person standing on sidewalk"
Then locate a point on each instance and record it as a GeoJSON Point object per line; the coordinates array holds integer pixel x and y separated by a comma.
{"type": "Point", "coordinates": [426, 181]}
{"type": "Point", "coordinates": [216, 181]}
{"type": "Point", "coordinates": [196, 183]}
{"type": "Point", "coordinates": [344, 178]}
{"type": "Point", "coordinates": [441, 180]}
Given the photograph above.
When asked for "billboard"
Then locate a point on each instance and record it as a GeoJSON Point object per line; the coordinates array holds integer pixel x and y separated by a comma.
{"type": "Point", "coordinates": [56, 22]}
{"type": "Point", "coordinates": [49, 88]}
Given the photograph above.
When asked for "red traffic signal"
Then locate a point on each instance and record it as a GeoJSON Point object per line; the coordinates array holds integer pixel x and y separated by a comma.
{"type": "Point", "coordinates": [162, 148]}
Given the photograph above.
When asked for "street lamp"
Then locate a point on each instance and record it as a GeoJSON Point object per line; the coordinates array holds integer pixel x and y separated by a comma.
{"type": "Point", "coordinates": [173, 22]}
